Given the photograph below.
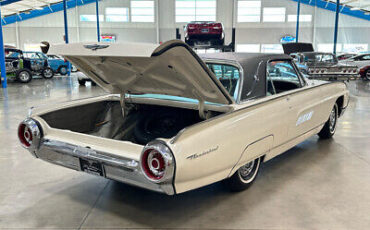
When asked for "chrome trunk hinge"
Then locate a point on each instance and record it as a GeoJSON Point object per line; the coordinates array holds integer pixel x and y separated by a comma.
{"type": "Point", "coordinates": [123, 104]}
{"type": "Point", "coordinates": [201, 108]}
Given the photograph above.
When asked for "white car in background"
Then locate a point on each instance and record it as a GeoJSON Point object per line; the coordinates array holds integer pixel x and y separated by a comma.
{"type": "Point", "coordinates": [359, 60]}
{"type": "Point", "coordinates": [82, 78]}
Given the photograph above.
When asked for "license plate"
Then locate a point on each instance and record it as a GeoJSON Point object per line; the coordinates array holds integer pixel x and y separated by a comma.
{"type": "Point", "coordinates": [92, 167]}
{"type": "Point", "coordinates": [205, 30]}
{"type": "Point", "coordinates": [334, 70]}
{"type": "Point", "coordinates": [201, 43]}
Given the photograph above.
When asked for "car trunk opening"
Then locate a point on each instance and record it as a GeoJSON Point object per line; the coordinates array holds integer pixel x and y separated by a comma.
{"type": "Point", "coordinates": [141, 123]}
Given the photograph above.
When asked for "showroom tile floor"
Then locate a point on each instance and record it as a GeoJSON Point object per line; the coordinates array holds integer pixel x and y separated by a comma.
{"type": "Point", "coordinates": [316, 185]}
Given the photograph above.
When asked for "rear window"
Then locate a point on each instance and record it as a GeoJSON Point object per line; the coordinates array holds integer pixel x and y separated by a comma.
{"type": "Point", "coordinates": [228, 75]}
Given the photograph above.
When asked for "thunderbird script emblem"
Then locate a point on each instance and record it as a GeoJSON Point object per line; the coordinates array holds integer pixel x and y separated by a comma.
{"type": "Point", "coordinates": [96, 46]}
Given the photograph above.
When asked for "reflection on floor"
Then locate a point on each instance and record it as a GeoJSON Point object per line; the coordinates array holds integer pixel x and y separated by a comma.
{"type": "Point", "coordinates": [316, 185]}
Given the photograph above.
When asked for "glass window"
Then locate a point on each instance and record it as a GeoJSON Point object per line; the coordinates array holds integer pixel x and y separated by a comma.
{"type": "Point", "coordinates": [281, 77]}
{"type": "Point", "coordinates": [249, 11]}
{"type": "Point", "coordinates": [354, 48]}
{"type": "Point", "coordinates": [53, 57]}
{"type": "Point", "coordinates": [365, 57]}
{"type": "Point", "coordinates": [13, 54]}
{"type": "Point", "coordinates": [302, 18]}
{"type": "Point", "coordinates": [30, 55]}
{"type": "Point", "coordinates": [248, 48]}
{"type": "Point", "coordinates": [142, 11]}
{"type": "Point", "coordinates": [195, 10]}
{"type": "Point", "coordinates": [116, 14]}
{"type": "Point", "coordinates": [320, 57]}
{"type": "Point", "coordinates": [274, 14]}
{"type": "Point", "coordinates": [272, 48]}
{"type": "Point", "coordinates": [91, 18]}
{"type": "Point", "coordinates": [228, 75]}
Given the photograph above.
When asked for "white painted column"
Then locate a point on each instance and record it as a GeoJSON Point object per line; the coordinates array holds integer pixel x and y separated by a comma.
{"type": "Point", "coordinates": [17, 40]}
{"type": "Point", "coordinates": [157, 19]}
{"type": "Point", "coordinates": [77, 23]}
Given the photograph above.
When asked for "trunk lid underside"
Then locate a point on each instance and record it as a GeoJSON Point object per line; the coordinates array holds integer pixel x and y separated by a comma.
{"type": "Point", "coordinates": [170, 69]}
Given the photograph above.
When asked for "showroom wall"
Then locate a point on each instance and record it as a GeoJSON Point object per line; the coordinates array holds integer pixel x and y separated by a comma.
{"type": "Point", "coordinates": [318, 30]}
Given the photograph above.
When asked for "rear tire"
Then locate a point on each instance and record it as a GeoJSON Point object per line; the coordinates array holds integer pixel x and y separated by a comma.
{"type": "Point", "coordinates": [330, 125]}
{"type": "Point", "coordinates": [244, 177]}
{"type": "Point", "coordinates": [47, 73]}
{"type": "Point", "coordinates": [24, 75]}
{"type": "Point", "coordinates": [63, 70]}
{"type": "Point", "coordinates": [367, 75]}
{"type": "Point", "coordinates": [81, 82]}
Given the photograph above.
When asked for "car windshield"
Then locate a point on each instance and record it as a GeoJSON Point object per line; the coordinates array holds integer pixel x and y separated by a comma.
{"type": "Point", "coordinates": [228, 75]}
{"type": "Point", "coordinates": [327, 58]}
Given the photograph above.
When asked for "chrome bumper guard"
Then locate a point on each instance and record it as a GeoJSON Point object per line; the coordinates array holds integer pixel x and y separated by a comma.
{"type": "Point", "coordinates": [114, 167]}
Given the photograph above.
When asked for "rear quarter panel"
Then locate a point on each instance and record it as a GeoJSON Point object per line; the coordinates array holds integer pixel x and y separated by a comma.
{"type": "Point", "coordinates": [213, 150]}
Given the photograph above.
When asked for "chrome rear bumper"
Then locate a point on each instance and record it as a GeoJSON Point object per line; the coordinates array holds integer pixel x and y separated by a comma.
{"type": "Point", "coordinates": [339, 77]}
{"type": "Point", "coordinates": [114, 167]}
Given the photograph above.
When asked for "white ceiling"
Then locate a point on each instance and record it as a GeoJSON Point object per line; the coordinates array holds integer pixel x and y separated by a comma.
{"type": "Point", "coordinates": [25, 5]}
{"type": "Point", "coordinates": [356, 4]}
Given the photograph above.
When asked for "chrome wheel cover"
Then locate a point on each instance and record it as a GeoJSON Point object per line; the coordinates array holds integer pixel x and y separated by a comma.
{"type": "Point", "coordinates": [48, 73]}
{"type": "Point", "coordinates": [332, 120]}
{"type": "Point", "coordinates": [367, 75]}
{"type": "Point", "coordinates": [248, 172]}
{"type": "Point", "coordinates": [24, 76]}
{"type": "Point", "coordinates": [63, 70]}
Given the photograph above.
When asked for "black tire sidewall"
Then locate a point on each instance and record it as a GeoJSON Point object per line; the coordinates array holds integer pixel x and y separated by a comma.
{"type": "Point", "coordinates": [235, 183]}
{"type": "Point", "coordinates": [51, 71]}
{"type": "Point", "coordinates": [325, 132]}
{"type": "Point", "coordinates": [23, 70]}
{"type": "Point", "coordinates": [81, 82]}
{"type": "Point", "coordinates": [366, 73]}
{"type": "Point", "coordinates": [63, 68]}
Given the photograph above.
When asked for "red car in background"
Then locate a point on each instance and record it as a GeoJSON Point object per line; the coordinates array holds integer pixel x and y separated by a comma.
{"type": "Point", "coordinates": [204, 33]}
{"type": "Point", "coordinates": [365, 72]}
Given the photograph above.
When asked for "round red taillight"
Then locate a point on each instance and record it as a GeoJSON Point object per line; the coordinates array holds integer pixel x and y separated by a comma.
{"type": "Point", "coordinates": [157, 162]}
{"type": "Point", "coordinates": [317, 71]}
{"type": "Point", "coordinates": [25, 135]}
{"type": "Point", "coordinates": [322, 71]}
{"type": "Point", "coordinates": [153, 164]}
{"type": "Point", "coordinates": [345, 71]}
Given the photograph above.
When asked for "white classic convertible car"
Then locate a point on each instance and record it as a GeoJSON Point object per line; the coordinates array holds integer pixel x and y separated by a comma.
{"type": "Point", "coordinates": [174, 121]}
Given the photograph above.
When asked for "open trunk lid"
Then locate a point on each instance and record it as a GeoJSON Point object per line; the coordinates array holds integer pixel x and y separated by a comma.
{"type": "Point", "coordinates": [172, 68]}
{"type": "Point", "coordinates": [297, 47]}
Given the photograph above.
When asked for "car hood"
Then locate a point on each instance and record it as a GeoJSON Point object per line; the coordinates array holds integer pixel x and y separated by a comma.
{"type": "Point", "coordinates": [172, 68]}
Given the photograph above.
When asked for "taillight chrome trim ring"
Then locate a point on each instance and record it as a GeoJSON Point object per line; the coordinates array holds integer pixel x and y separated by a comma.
{"type": "Point", "coordinates": [168, 157]}
{"type": "Point", "coordinates": [34, 130]}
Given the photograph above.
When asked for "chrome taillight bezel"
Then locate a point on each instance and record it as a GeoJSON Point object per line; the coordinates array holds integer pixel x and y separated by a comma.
{"type": "Point", "coordinates": [167, 156]}
{"type": "Point", "coordinates": [34, 129]}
